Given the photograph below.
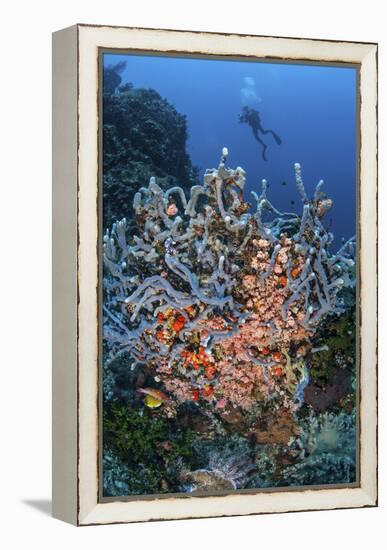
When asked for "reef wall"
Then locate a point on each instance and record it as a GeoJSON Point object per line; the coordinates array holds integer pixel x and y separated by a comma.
{"type": "Point", "coordinates": [143, 136]}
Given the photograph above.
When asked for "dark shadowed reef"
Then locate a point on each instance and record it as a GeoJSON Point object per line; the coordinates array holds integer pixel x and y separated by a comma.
{"type": "Point", "coordinates": [143, 136]}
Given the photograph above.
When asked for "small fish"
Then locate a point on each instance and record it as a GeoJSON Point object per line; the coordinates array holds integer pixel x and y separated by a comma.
{"type": "Point", "coordinates": [284, 183]}
{"type": "Point", "coordinates": [292, 202]}
{"type": "Point", "coordinates": [152, 402]}
{"type": "Point", "coordinates": [153, 398]}
{"type": "Point", "coordinates": [154, 392]}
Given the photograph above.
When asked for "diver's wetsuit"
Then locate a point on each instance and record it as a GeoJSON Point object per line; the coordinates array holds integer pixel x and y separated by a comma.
{"type": "Point", "coordinates": [252, 118]}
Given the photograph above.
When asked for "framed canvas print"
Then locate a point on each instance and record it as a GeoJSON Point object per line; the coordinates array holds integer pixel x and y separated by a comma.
{"type": "Point", "coordinates": [215, 274]}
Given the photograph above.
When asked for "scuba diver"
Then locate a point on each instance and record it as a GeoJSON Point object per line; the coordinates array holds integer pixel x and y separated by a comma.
{"type": "Point", "coordinates": [252, 118]}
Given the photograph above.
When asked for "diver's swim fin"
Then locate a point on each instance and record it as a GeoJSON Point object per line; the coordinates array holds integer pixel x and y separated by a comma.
{"type": "Point", "coordinates": [277, 138]}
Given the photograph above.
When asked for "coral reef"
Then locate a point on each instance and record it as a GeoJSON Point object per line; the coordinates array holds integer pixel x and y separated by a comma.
{"type": "Point", "coordinates": [222, 473]}
{"type": "Point", "coordinates": [134, 438]}
{"type": "Point", "coordinates": [143, 135]}
{"type": "Point", "coordinates": [116, 476]}
{"type": "Point", "coordinates": [328, 451]}
{"type": "Point", "coordinates": [229, 341]}
{"type": "Point", "coordinates": [218, 301]}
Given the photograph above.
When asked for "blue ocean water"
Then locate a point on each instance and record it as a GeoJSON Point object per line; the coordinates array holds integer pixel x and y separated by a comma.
{"type": "Point", "coordinates": [311, 107]}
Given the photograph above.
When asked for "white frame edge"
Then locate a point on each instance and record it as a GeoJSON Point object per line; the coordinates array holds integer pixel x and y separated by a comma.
{"type": "Point", "coordinates": [89, 510]}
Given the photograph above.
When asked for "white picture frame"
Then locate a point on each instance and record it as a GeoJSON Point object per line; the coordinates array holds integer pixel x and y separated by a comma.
{"type": "Point", "coordinates": [75, 273]}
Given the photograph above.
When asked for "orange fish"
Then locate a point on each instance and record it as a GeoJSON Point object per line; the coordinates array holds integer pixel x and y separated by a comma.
{"type": "Point", "coordinates": [294, 272]}
{"type": "Point", "coordinates": [265, 351]}
{"type": "Point", "coordinates": [278, 371]}
{"type": "Point", "coordinates": [160, 317]}
{"type": "Point", "coordinates": [282, 280]}
{"type": "Point", "coordinates": [153, 392]}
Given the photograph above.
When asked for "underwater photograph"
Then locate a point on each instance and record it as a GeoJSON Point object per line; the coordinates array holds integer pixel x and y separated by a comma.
{"type": "Point", "coordinates": [228, 275]}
